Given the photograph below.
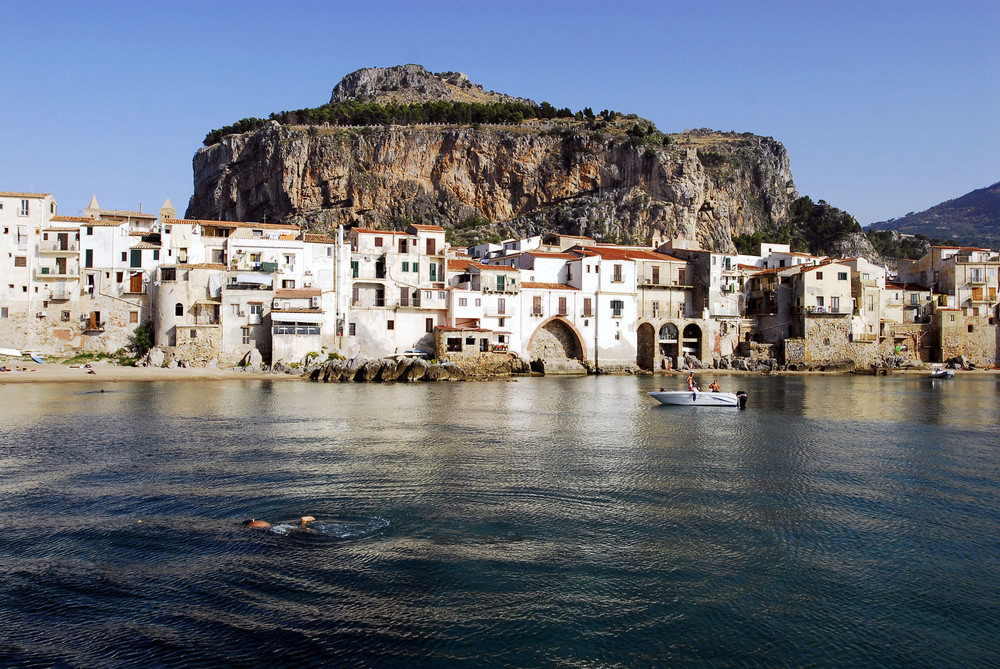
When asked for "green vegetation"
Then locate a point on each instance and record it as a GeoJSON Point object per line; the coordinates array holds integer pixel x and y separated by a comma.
{"type": "Point", "coordinates": [142, 339]}
{"type": "Point", "coordinates": [120, 357]}
{"type": "Point", "coordinates": [812, 227]}
{"type": "Point", "coordinates": [890, 245]}
{"type": "Point", "coordinates": [355, 113]}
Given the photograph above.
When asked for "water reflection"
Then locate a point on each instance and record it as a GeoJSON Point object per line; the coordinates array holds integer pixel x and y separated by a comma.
{"type": "Point", "coordinates": [836, 520]}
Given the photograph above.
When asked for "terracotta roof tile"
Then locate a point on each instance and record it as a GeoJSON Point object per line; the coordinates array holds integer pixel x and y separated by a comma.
{"type": "Point", "coordinates": [293, 293]}
{"type": "Point", "coordinates": [318, 239]}
{"type": "Point", "coordinates": [546, 286]}
{"type": "Point", "coordinates": [24, 195]}
{"type": "Point", "coordinates": [71, 219]}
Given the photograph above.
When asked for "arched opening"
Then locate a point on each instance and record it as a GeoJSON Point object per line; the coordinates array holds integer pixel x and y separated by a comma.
{"type": "Point", "coordinates": [691, 343]}
{"type": "Point", "coordinates": [557, 345]}
{"type": "Point", "coordinates": [669, 343]}
{"type": "Point", "coordinates": [645, 356]}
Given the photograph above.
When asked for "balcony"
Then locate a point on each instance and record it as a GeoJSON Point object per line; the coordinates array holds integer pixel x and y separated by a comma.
{"type": "Point", "coordinates": [61, 294]}
{"type": "Point", "coordinates": [57, 247]}
{"type": "Point", "coordinates": [50, 273]}
{"type": "Point", "coordinates": [496, 312]}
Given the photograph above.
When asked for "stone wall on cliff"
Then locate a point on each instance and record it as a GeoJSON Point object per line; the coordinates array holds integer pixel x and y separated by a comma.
{"type": "Point", "coordinates": [511, 180]}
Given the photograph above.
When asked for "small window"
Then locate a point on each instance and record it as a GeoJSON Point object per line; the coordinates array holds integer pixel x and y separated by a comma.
{"type": "Point", "coordinates": [616, 308]}
{"type": "Point", "coordinates": [194, 334]}
{"type": "Point", "coordinates": [842, 276]}
{"type": "Point", "coordinates": [178, 309]}
{"type": "Point", "coordinates": [429, 325]}
{"type": "Point", "coordinates": [3, 312]}
{"type": "Point", "coordinates": [65, 316]}
{"type": "Point", "coordinates": [124, 256]}
{"type": "Point", "coordinates": [390, 325]}
{"type": "Point", "coordinates": [970, 327]}
{"type": "Point", "coordinates": [352, 329]}
{"type": "Point", "coordinates": [20, 261]}
{"type": "Point", "coordinates": [133, 316]}
{"type": "Point", "coordinates": [617, 274]}
{"type": "Point", "coordinates": [245, 331]}
{"type": "Point", "coordinates": [479, 302]}
{"type": "Point", "coordinates": [819, 276]}
{"type": "Point", "coordinates": [23, 211]}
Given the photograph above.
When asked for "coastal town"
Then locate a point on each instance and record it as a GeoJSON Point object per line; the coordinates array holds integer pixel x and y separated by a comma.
{"type": "Point", "coordinates": [225, 293]}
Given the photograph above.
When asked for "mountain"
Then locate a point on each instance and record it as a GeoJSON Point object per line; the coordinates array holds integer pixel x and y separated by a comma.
{"type": "Point", "coordinates": [400, 145]}
{"type": "Point", "coordinates": [973, 219]}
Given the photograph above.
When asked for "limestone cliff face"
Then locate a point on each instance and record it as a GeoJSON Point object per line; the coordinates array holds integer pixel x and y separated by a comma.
{"type": "Point", "coordinates": [524, 179]}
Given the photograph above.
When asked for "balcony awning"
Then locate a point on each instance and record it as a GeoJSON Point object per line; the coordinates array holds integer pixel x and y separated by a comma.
{"type": "Point", "coordinates": [296, 317]}
{"type": "Point", "coordinates": [258, 278]}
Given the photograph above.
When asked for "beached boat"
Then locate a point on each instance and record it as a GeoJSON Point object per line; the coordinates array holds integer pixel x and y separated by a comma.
{"type": "Point", "coordinates": [13, 352]}
{"type": "Point", "coordinates": [941, 372]}
{"type": "Point", "coordinates": [687, 398]}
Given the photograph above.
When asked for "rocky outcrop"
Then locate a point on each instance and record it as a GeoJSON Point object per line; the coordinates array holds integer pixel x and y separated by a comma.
{"type": "Point", "coordinates": [403, 84]}
{"type": "Point", "coordinates": [620, 182]}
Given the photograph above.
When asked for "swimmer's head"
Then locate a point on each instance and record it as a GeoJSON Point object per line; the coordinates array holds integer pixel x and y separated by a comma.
{"type": "Point", "coordinates": [253, 522]}
{"type": "Point", "coordinates": [305, 519]}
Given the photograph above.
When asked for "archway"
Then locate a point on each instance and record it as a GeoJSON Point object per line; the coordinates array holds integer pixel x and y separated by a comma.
{"type": "Point", "coordinates": [556, 342]}
{"type": "Point", "coordinates": [691, 343]}
{"type": "Point", "coordinates": [669, 342]}
{"type": "Point", "coordinates": [645, 356]}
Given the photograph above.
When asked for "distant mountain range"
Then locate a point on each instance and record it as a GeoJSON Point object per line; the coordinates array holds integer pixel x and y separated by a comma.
{"type": "Point", "coordinates": [971, 220]}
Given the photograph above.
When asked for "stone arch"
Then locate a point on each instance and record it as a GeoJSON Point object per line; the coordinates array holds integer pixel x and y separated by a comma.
{"type": "Point", "coordinates": [645, 355]}
{"type": "Point", "coordinates": [556, 339]}
{"type": "Point", "coordinates": [670, 342]}
{"type": "Point", "coordinates": [691, 340]}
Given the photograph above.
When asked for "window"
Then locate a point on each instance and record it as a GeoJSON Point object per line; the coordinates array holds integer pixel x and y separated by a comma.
{"type": "Point", "coordinates": [156, 254]}
{"type": "Point", "coordinates": [402, 246]}
{"type": "Point", "coordinates": [119, 276]}
{"type": "Point", "coordinates": [378, 241]}
{"type": "Point", "coordinates": [124, 256]}
{"type": "Point", "coordinates": [352, 329]}
{"type": "Point", "coordinates": [23, 211]}
{"type": "Point", "coordinates": [429, 325]}
{"type": "Point", "coordinates": [433, 271]}
{"type": "Point", "coordinates": [819, 301]}
{"type": "Point", "coordinates": [951, 318]}
{"type": "Point", "coordinates": [842, 276]}
{"type": "Point", "coordinates": [406, 267]}
{"type": "Point", "coordinates": [166, 274]}
{"type": "Point", "coordinates": [441, 294]}
{"type": "Point", "coordinates": [454, 344]}
{"type": "Point", "coordinates": [587, 311]}
{"type": "Point", "coordinates": [178, 309]}
{"type": "Point", "coordinates": [462, 302]}
{"type": "Point", "coordinates": [970, 327]}
{"type": "Point", "coordinates": [819, 276]}
{"type": "Point", "coordinates": [288, 283]}
{"type": "Point", "coordinates": [20, 261]}
{"type": "Point", "coordinates": [502, 321]}
{"type": "Point", "coordinates": [390, 325]}
{"type": "Point", "coordinates": [245, 331]}
{"type": "Point", "coordinates": [562, 306]}
{"type": "Point", "coordinates": [835, 304]}
{"type": "Point", "coordinates": [194, 334]}
{"type": "Point", "coordinates": [616, 308]}
{"type": "Point", "coordinates": [914, 299]}
{"type": "Point", "coordinates": [431, 246]}
{"type": "Point", "coordinates": [617, 274]}
{"type": "Point", "coordinates": [354, 269]}
{"type": "Point", "coordinates": [656, 273]}
{"type": "Point", "coordinates": [256, 311]}
{"type": "Point", "coordinates": [66, 316]}
{"type": "Point", "coordinates": [3, 312]}
{"type": "Point", "coordinates": [536, 305]}
{"type": "Point", "coordinates": [479, 302]}
{"type": "Point", "coordinates": [501, 306]}
{"type": "Point", "coordinates": [427, 294]}
{"type": "Point", "coordinates": [871, 303]}
{"type": "Point", "coordinates": [656, 309]}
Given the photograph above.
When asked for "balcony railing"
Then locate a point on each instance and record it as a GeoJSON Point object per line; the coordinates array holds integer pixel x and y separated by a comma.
{"type": "Point", "coordinates": [49, 273]}
{"type": "Point", "coordinates": [59, 247]}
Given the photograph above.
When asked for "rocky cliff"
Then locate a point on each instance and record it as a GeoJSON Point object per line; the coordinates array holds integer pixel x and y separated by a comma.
{"type": "Point", "coordinates": [619, 182]}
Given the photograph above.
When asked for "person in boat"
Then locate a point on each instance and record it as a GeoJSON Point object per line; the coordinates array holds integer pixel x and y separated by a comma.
{"type": "Point", "coordinates": [714, 386]}
{"type": "Point", "coordinates": [692, 385]}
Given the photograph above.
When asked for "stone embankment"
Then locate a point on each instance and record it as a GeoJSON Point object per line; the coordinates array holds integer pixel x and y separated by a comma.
{"type": "Point", "coordinates": [365, 370]}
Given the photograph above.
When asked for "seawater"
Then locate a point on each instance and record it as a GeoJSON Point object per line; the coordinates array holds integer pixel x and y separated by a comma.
{"type": "Point", "coordinates": [836, 521]}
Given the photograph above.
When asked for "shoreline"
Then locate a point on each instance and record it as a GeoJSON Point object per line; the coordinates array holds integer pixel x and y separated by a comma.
{"type": "Point", "coordinates": [107, 373]}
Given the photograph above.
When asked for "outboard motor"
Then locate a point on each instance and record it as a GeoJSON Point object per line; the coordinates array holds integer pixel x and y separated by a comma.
{"type": "Point", "coordinates": [741, 396]}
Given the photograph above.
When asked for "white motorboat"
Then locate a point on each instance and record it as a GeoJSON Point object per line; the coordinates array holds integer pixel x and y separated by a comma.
{"type": "Point", "coordinates": [12, 352]}
{"type": "Point", "coordinates": [688, 398]}
{"type": "Point", "coordinates": [941, 372]}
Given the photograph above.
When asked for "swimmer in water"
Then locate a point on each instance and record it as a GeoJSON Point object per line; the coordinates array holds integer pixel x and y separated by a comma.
{"type": "Point", "coordinates": [263, 524]}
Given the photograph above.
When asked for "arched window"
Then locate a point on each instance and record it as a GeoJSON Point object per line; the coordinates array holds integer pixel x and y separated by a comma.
{"type": "Point", "coordinates": [178, 309]}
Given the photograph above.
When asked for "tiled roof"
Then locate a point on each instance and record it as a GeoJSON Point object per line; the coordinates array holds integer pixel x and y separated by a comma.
{"type": "Point", "coordinates": [547, 286]}
{"type": "Point", "coordinates": [70, 219]}
{"type": "Point", "coordinates": [458, 264]}
{"type": "Point", "coordinates": [427, 228]}
{"type": "Point", "coordinates": [445, 328]}
{"type": "Point", "coordinates": [552, 254]}
{"type": "Point", "coordinates": [146, 245]}
{"type": "Point", "coordinates": [318, 239]}
{"type": "Point", "coordinates": [372, 231]}
{"type": "Point", "coordinates": [25, 195]}
{"type": "Point", "coordinates": [200, 265]}
{"type": "Point", "coordinates": [493, 268]}
{"type": "Point", "coordinates": [900, 285]}
{"type": "Point", "coordinates": [622, 253]}
{"type": "Point", "coordinates": [293, 293]}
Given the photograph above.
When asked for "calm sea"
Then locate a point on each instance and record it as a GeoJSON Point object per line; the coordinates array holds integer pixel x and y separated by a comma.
{"type": "Point", "coordinates": [555, 522]}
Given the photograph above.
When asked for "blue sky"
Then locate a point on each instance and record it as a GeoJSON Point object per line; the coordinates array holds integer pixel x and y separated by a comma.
{"type": "Point", "coordinates": [884, 107]}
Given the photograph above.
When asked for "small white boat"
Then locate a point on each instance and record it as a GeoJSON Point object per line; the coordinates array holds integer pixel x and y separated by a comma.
{"type": "Point", "coordinates": [941, 372]}
{"type": "Point", "coordinates": [11, 352]}
{"type": "Point", "coordinates": [688, 398]}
